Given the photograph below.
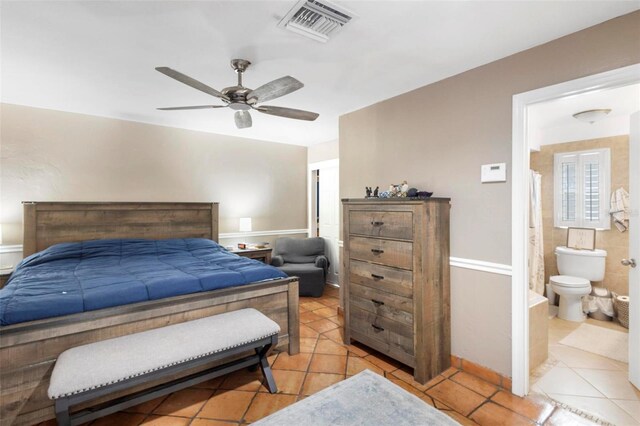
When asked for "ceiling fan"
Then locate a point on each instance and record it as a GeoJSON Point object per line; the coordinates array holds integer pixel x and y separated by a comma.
{"type": "Point", "coordinates": [243, 99]}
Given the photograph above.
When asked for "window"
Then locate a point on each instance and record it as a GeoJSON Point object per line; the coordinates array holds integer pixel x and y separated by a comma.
{"type": "Point", "coordinates": [581, 189]}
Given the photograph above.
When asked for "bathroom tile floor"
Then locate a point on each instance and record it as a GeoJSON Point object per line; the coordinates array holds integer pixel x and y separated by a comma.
{"type": "Point", "coordinates": [588, 382]}
{"type": "Point", "coordinates": [241, 397]}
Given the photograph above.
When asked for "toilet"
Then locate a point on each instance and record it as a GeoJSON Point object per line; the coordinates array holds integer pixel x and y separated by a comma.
{"type": "Point", "coordinates": [578, 268]}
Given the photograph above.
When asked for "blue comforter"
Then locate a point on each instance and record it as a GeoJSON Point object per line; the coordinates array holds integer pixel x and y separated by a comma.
{"type": "Point", "coordinates": [70, 278]}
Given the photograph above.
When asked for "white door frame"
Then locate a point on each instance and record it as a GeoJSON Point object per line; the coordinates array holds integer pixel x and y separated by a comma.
{"type": "Point", "coordinates": [310, 168]}
{"type": "Point", "coordinates": [519, 202]}
{"type": "Point", "coordinates": [634, 249]}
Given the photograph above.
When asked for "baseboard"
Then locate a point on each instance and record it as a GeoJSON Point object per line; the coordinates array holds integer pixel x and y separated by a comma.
{"type": "Point", "coordinates": [481, 372]}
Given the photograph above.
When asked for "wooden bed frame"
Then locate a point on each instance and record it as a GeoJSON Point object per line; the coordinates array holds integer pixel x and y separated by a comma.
{"type": "Point", "coordinates": [28, 350]}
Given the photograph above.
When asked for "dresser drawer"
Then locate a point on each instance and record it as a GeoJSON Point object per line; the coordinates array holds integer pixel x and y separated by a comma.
{"type": "Point", "coordinates": [376, 327]}
{"type": "Point", "coordinates": [382, 224]}
{"type": "Point", "coordinates": [385, 252]}
{"type": "Point", "coordinates": [392, 280]}
{"type": "Point", "coordinates": [385, 304]}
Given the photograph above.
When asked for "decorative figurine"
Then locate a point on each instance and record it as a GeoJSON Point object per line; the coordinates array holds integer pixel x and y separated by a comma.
{"type": "Point", "coordinates": [404, 188]}
{"type": "Point", "coordinates": [368, 190]}
{"type": "Point", "coordinates": [375, 192]}
{"type": "Point", "coordinates": [401, 190]}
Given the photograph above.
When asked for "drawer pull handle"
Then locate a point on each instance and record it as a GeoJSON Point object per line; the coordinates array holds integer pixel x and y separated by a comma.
{"type": "Point", "coordinates": [377, 277]}
{"type": "Point", "coordinates": [378, 303]}
{"type": "Point", "coordinates": [376, 223]}
{"type": "Point", "coordinates": [377, 251]}
{"type": "Point", "coordinates": [377, 328]}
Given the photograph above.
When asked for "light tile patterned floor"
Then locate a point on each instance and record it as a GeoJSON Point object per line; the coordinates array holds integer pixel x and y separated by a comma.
{"type": "Point", "coordinates": [241, 398]}
{"type": "Point", "coordinates": [586, 381]}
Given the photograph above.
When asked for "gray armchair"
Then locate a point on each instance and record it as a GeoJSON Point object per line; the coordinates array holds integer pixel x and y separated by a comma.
{"type": "Point", "coordinates": [305, 259]}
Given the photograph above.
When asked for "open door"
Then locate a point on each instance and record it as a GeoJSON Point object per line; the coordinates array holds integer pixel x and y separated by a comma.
{"type": "Point", "coordinates": [634, 251]}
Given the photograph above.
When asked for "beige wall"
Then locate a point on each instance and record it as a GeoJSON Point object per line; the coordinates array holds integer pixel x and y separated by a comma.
{"type": "Point", "coordinates": [323, 152]}
{"type": "Point", "coordinates": [57, 156]}
{"type": "Point", "coordinates": [616, 243]}
{"type": "Point", "coordinates": [437, 137]}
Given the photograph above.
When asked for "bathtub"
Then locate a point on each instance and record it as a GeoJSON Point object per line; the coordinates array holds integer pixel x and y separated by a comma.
{"type": "Point", "coordinates": [538, 329]}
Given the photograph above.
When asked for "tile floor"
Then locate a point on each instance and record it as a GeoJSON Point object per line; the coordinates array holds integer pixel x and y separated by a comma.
{"type": "Point", "coordinates": [586, 381]}
{"type": "Point", "coordinates": [241, 398]}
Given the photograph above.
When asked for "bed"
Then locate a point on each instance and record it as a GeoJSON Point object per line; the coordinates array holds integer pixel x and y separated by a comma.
{"type": "Point", "coordinates": [28, 348]}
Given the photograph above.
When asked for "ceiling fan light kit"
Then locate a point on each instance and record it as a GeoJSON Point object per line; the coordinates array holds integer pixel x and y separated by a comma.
{"type": "Point", "coordinates": [242, 99]}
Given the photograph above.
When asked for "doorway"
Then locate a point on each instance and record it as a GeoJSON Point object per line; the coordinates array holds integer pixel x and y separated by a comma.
{"type": "Point", "coordinates": [521, 220]}
{"type": "Point", "coordinates": [579, 161]}
{"type": "Point", "coordinates": [324, 210]}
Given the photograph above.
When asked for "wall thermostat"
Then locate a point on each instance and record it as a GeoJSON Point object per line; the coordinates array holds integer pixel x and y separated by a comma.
{"type": "Point", "coordinates": [493, 172]}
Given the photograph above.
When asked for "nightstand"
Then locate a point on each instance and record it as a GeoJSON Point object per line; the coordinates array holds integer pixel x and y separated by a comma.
{"type": "Point", "coordinates": [4, 277]}
{"type": "Point", "coordinates": [263, 254]}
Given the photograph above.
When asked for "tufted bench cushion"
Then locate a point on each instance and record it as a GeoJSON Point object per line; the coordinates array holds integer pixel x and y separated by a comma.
{"type": "Point", "coordinates": [110, 361]}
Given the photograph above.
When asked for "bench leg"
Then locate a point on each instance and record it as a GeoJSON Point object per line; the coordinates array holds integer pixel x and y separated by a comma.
{"type": "Point", "coordinates": [266, 369]}
{"type": "Point", "coordinates": [62, 412]}
{"type": "Point", "coordinates": [268, 375]}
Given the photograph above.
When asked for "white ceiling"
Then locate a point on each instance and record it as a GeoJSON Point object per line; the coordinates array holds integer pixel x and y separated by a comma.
{"type": "Point", "coordinates": [98, 57]}
{"type": "Point", "coordinates": [552, 122]}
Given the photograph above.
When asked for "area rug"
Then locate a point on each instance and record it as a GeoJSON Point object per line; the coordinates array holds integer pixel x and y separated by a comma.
{"type": "Point", "coordinates": [599, 340]}
{"type": "Point", "coordinates": [364, 399]}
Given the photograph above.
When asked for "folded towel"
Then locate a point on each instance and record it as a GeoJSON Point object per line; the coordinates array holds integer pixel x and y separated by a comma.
{"type": "Point", "coordinates": [620, 209]}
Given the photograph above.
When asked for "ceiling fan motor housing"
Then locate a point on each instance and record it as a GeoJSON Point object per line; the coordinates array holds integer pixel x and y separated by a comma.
{"type": "Point", "coordinates": [238, 97]}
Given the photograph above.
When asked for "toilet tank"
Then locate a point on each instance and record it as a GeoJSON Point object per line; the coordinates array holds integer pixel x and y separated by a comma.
{"type": "Point", "coordinates": [588, 264]}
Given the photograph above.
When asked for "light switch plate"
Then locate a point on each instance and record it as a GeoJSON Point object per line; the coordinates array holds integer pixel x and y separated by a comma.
{"type": "Point", "coordinates": [493, 172]}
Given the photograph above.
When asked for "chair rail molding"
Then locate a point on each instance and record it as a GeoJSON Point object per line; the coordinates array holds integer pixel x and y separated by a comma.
{"type": "Point", "coordinates": [10, 248]}
{"type": "Point", "coordinates": [17, 248]}
{"type": "Point", "coordinates": [227, 235]}
{"type": "Point", "coordinates": [480, 265]}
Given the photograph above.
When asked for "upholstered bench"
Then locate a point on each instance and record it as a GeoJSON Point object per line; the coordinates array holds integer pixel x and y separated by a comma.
{"type": "Point", "coordinates": [99, 369]}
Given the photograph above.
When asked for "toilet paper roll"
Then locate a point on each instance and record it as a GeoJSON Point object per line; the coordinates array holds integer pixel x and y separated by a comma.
{"type": "Point", "coordinates": [623, 298]}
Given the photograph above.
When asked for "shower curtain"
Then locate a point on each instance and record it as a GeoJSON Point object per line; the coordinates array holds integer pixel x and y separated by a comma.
{"type": "Point", "coordinates": [536, 247]}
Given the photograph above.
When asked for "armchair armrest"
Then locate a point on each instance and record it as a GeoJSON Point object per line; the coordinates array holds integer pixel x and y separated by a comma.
{"type": "Point", "coordinates": [277, 260]}
{"type": "Point", "coordinates": [322, 262]}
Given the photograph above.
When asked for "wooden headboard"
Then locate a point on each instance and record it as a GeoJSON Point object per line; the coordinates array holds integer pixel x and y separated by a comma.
{"type": "Point", "coordinates": [49, 223]}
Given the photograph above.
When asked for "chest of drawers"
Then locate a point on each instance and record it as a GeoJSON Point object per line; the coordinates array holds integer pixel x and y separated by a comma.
{"type": "Point", "coordinates": [396, 279]}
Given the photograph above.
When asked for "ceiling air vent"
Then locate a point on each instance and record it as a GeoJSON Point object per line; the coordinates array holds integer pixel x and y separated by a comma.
{"type": "Point", "coordinates": [317, 20]}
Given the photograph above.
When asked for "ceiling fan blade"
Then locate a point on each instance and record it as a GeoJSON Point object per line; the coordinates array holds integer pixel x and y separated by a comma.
{"type": "Point", "coordinates": [275, 89]}
{"type": "Point", "coordinates": [192, 107]}
{"type": "Point", "coordinates": [182, 78]}
{"type": "Point", "coordinates": [243, 119]}
{"type": "Point", "coordinates": [297, 114]}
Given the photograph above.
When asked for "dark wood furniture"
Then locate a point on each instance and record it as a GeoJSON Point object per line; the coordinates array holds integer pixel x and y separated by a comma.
{"type": "Point", "coordinates": [28, 350]}
{"type": "Point", "coordinates": [396, 269]}
{"type": "Point", "coordinates": [263, 254]}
